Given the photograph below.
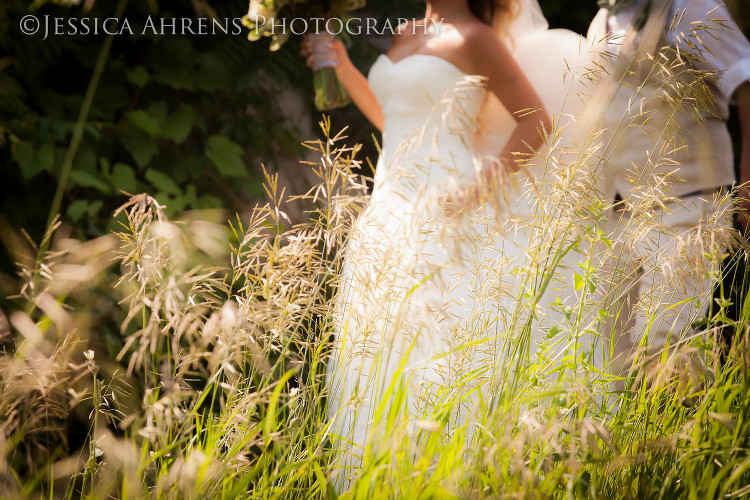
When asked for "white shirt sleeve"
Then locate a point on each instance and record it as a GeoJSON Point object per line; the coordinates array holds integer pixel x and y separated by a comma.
{"type": "Point", "coordinates": [723, 47]}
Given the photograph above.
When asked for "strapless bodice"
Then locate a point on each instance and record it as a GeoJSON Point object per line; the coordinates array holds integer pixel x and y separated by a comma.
{"type": "Point", "coordinates": [430, 108]}
{"type": "Point", "coordinates": [410, 88]}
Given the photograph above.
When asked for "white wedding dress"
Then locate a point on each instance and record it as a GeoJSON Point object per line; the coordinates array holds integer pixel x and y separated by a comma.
{"type": "Point", "coordinates": [427, 299]}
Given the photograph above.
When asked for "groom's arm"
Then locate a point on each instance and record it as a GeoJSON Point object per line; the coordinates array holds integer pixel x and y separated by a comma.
{"type": "Point", "coordinates": [720, 47]}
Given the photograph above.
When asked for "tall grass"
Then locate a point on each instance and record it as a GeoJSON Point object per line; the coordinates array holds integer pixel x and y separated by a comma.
{"type": "Point", "coordinates": [215, 386]}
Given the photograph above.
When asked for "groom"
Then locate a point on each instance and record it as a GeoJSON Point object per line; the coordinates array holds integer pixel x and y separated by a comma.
{"type": "Point", "coordinates": [676, 121]}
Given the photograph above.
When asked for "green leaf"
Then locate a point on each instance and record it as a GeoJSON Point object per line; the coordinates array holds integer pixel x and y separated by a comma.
{"type": "Point", "coordinates": [178, 203]}
{"type": "Point", "coordinates": [33, 160]}
{"type": "Point", "coordinates": [554, 331]}
{"type": "Point", "coordinates": [172, 62]}
{"type": "Point", "coordinates": [87, 179]}
{"type": "Point", "coordinates": [123, 178]}
{"type": "Point", "coordinates": [158, 111]}
{"type": "Point", "coordinates": [163, 182]}
{"type": "Point", "coordinates": [178, 78]}
{"type": "Point", "coordinates": [209, 201]}
{"type": "Point", "coordinates": [144, 121]}
{"type": "Point", "coordinates": [137, 76]}
{"type": "Point", "coordinates": [105, 167]}
{"type": "Point", "coordinates": [212, 74]}
{"type": "Point", "coordinates": [256, 187]}
{"type": "Point", "coordinates": [226, 156]}
{"type": "Point", "coordinates": [191, 195]}
{"type": "Point", "coordinates": [178, 125]}
{"type": "Point", "coordinates": [23, 153]}
{"type": "Point", "coordinates": [139, 145]}
{"type": "Point", "coordinates": [79, 208]}
{"type": "Point", "coordinates": [579, 281]}
{"type": "Point", "coordinates": [270, 423]}
{"type": "Point", "coordinates": [45, 155]}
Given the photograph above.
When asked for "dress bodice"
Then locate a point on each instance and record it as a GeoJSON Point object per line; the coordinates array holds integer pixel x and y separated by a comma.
{"type": "Point", "coordinates": [430, 108]}
{"type": "Point", "coordinates": [411, 87]}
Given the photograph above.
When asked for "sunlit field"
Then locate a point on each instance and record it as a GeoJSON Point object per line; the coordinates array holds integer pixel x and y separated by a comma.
{"type": "Point", "coordinates": [181, 352]}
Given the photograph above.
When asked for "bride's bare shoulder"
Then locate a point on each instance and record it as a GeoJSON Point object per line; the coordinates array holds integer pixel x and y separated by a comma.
{"type": "Point", "coordinates": [405, 31]}
{"type": "Point", "coordinates": [478, 38]}
{"type": "Point", "coordinates": [481, 45]}
{"type": "Point", "coordinates": [477, 32]}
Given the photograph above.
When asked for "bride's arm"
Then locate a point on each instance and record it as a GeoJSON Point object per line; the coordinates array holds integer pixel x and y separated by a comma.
{"type": "Point", "coordinates": [353, 81]}
{"type": "Point", "coordinates": [492, 58]}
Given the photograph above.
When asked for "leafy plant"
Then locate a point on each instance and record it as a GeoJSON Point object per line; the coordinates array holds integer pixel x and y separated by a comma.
{"type": "Point", "coordinates": [179, 116]}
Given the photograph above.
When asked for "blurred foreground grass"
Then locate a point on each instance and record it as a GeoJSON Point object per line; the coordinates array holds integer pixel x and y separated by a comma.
{"type": "Point", "coordinates": [215, 388]}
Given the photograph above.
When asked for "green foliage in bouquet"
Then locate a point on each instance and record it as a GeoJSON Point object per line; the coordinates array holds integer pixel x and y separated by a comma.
{"type": "Point", "coordinates": [263, 14]}
{"type": "Point", "coordinates": [263, 21]}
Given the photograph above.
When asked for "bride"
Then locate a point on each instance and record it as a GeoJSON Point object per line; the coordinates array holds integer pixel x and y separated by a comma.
{"type": "Point", "coordinates": [428, 291]}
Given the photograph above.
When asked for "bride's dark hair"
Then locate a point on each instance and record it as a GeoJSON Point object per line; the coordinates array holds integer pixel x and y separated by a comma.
{"type": "Point", "coordinates": [496, 13]}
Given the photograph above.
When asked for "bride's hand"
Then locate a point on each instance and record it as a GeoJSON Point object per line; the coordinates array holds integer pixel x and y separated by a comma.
{"type": "Point", "coordinates": [495, 175]}
{"type": "Point", "coordinates": [457, 201]}
{"type": "Point", "coordinates": [492, 178]}
{"type": "Point", "coordinates": [334, 53]}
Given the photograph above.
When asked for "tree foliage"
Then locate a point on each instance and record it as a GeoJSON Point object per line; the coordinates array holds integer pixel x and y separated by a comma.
{"type": "Point", "coordinates": [184, 117]}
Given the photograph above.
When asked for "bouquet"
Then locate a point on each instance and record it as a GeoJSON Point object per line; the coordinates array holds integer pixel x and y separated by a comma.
{"type": "Point", "coordinates": [279, 19]}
